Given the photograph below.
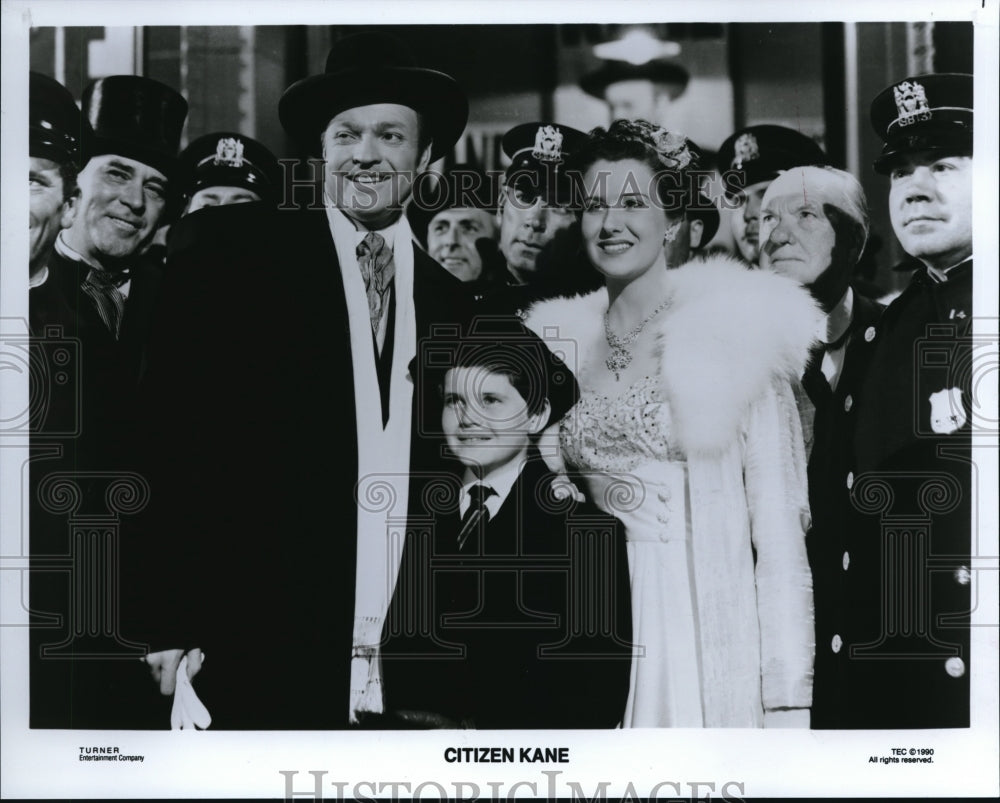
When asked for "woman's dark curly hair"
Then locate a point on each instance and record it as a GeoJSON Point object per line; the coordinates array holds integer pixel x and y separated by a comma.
{"type": "Point", "coordinates": [670, 156]}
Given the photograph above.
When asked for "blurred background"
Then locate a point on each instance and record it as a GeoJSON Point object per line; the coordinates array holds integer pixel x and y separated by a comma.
{"type": "Point", "coordinates": [818, 78]}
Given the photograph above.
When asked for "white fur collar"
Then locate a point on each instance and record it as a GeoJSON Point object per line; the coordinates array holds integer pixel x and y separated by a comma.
{"type": "Point", "coordinates": [728, 334]}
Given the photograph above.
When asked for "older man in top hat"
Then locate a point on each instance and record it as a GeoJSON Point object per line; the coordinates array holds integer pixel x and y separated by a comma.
{"type": "Point", "coordinates": [286, 382]}
{"type": "Point", "coordinates": [101, 290]}
{"type": "Point", "coordinates": [749, 159]}
{"type": "Point", "coordinates": [893, 578]}
{"type": "Point", "coordinates": [130, 154]}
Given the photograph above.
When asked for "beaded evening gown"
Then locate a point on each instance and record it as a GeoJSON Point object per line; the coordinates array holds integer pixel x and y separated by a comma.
{"type": "Point", "coordinates": [624, 450]}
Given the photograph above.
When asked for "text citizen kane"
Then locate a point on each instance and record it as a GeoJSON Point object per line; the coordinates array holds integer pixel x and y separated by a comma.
{"type": "Point", "coordinates": [506, 755]}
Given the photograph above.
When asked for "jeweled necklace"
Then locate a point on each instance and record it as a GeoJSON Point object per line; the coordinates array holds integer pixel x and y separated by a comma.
{"type": "Point", "coordinates": [621, 351]}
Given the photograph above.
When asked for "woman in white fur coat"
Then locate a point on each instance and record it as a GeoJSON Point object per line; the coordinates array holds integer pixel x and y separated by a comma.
{"type": "Point", "coordinates": [687, 430]}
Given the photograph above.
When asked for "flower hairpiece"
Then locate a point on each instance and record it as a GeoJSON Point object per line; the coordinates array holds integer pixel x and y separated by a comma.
{"type": "Point", "coordinates": [671, 148]}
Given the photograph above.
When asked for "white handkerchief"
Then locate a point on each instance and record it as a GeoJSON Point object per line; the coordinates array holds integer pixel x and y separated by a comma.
{"type": "Point", "coordinates": [188, 711]}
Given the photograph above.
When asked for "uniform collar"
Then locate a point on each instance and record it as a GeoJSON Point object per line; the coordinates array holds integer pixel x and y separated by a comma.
{"type": "Point", "coordinates": [939, 276]}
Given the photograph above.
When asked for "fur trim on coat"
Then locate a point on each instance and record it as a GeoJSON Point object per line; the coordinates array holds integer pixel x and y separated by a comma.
{"type": "Point", "coordinates": [727, 335]}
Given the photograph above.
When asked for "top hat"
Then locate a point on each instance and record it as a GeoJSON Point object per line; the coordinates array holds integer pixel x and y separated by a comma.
{"type": "Point", "coordinates": [923, 113]}
{"type": "Point", "coordinates": [503, 342]}
{"type": "Point", "coordinates": [228, 159]}
{"type": "Point", "coordinates": [367, 68]}
{"type": "Point", "coordinates": [657, 71]}
{"type": "Point", "coordinates": [539, 153]}
{"type": "Point", "coordinates": [763, 151]}
{"type": "Point", "coordinates": [54, 121]}
{"type": "Point", "coordinates": [135, 117]}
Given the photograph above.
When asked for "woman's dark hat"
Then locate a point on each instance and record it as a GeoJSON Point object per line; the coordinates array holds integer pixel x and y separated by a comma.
{"type": "Point", "coordinates": [502, 341]}
{"type": "Point", "coordinates": [228, 159]}
{"type": "Point", "coordinates": [923, 113]}
{"type": "Point", "coordinates": [763, 151]}
{"type": "Point", "coordinates": [539, 153]}
{"type": "Point", "coordinates": [54, 121]}
{"type": "Point", "coordinates": [367, 68]}
{"type": "Point", "coordinates": [135, 117]}
{"type": "Point", "coordinates": [658, 72]}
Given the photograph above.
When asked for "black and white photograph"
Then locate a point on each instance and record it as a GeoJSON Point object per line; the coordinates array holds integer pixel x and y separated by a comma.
{"type": "Point", "coordinates": [475, 401]}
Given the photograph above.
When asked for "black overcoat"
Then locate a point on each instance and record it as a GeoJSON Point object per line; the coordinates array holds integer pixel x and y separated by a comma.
{"type": "Point", "coordinates": [249, 549]}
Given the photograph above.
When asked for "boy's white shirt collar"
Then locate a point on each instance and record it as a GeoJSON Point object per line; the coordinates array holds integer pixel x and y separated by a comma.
{"type": "Point", "coordinates": [500, 479]}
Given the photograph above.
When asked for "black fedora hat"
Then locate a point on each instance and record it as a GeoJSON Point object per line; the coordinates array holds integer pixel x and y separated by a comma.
{"type": "Point", "coordinates": [229, 159]}
{"type": "Point", "coordinates": [763, 151]}
{"type": "Point", "coordinates": [367, 68]}
{"type": "Point", "coordinates": [135, 117]}
{"type": "Point", "coordinates": [54, 121]}
{"type": "Point", "coordinates": [923, 113]}
{"type": "Point", "coordinates": [657, 71]}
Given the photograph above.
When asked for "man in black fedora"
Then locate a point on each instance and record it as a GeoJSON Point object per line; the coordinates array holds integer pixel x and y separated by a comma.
{"type": "Point", "coordinates": [638, 91]}
{"type": "Point", "coordinates": [287, 377]}
{"type": "Point", "coordinates": [895, 586]}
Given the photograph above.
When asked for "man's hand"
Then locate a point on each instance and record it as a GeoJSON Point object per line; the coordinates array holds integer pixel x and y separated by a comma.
{"type": "Point", "coordinates": [163, 667]}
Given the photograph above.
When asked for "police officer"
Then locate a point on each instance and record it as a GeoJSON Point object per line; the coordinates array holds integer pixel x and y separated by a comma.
{"type": "Point", "coordinates": [749, 159]}
{"type": "Point", "coordinates": [225, 167]}
{"type": "Point", "coordinates": [891, 561]}
{"type": "Point", "coordinates": [54, 125]}
{"type": "Point", "coordinates": [538, 254]}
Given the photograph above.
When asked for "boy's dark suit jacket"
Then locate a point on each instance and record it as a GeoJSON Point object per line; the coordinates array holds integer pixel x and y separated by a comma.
{"type": "Point", "coordinates": [248, 549]}
{"type": "Point", "coordinates": [529, 627]}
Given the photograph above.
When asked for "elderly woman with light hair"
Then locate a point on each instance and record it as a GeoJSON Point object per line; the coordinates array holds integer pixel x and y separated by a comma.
{"type": "Point", "coordinates": [814, 227]}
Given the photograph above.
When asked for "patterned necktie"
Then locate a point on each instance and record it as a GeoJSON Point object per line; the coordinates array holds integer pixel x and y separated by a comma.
{"type": "Point", "coordinates": [102, 286]}
{"type": "Point", "coordinates": [478, 515]}
{"type": "Point", "coordinates": [378, 270]}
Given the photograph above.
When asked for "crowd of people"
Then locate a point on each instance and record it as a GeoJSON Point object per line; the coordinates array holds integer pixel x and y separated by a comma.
{"type": "Point", "coordinates": [528, 456]}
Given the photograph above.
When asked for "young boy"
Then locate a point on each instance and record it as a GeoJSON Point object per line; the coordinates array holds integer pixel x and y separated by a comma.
{"type": "Point", "coordinates": [512, 605]}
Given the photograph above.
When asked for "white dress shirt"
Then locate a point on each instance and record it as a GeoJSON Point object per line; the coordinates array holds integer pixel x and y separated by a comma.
{"type": "Point", "coordinates": [501, 480]}
{"type": "Point", "coordinates": [838, 321]}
